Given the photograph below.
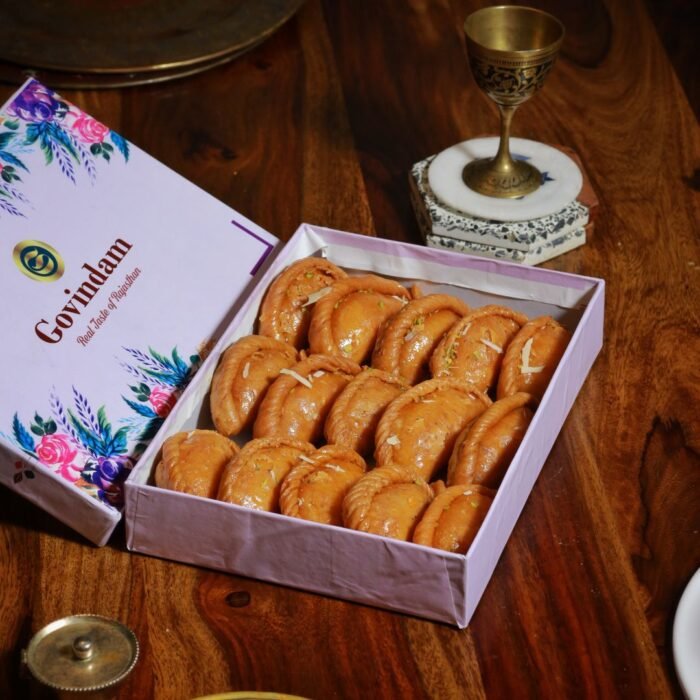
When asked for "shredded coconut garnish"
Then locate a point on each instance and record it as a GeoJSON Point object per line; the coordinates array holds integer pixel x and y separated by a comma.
{"type": "Point", "coordinates": [297, 376]}
{"type": "Point", "coordinates": [525, 360]}
{"type": "Point", "coordinates": [246, 370]}
{"type": "Point", "coordinates": [315, 296]}
{"type": "Point", "coordinates": [491, 345]}
{"type": "Point", "coordinates": [393, 440]}
{"type": "Point", "coordinates": [300, 502]}
{"type": "Point", "coordinates": [401, 299]}
{"type": "Point", "coordinates": [465, 329]}
{"type": "Point", "coordinates": [304, 458]}
{"type": "Point", "coordinates": [409, 336]}
{"type": "Point", "coordinates": [334, 467]}
{"type": "Point", "coordinates": [318, 373]}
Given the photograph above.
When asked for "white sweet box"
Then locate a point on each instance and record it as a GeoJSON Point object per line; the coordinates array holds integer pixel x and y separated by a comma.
{"type": "Point", "coordinates": [344, 563]}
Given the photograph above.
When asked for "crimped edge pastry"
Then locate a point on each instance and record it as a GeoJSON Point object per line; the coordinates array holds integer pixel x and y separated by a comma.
{"type": "Point", "coordinates": [463, 466]}
{"type": "Point", "coordinates": [171, 469]}
{"type": "Point", "coordinates": [230, 489]}
{"type": "Point", "coordinates": [448, 348]}
{"type": "Point", "coordinates": [322, 460]}
{"type": "Point", "coordinates": [270, 411]}
{"type": "Point", "coordinates": [321, 338]}
{"type": "Point", "coordinates": [357, 505]}
{"type": "Point", "coordinates": [386, 436]}
{"type": "Point", "coordinates": [278, 294]}
{"type": "Point", "coordinates": [339, 428]}
{"type": "Point", "coordinates": [518, 373]}
{"type": "Point", "coordinates": [426, 532]}
{"type": "Point", "coordinates": [233, 367]}
{"type": "Point", "coordinates": [406, 327]}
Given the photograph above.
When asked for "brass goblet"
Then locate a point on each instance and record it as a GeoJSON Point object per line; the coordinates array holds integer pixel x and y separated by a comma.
{"type": "Point", "coordinates": [511, 51]}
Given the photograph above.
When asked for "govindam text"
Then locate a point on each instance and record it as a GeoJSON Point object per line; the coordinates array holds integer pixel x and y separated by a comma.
{"type": "Point", "coordinates": [81, 298]}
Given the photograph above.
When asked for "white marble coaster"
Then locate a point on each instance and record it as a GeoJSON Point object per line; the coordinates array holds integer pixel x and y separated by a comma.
{"type": "Point", "coordinates": [562, 180]}
{"type": "Point", "coordinates": [546, 251]}
{"type": "Point", "coordinates": [442, 220]}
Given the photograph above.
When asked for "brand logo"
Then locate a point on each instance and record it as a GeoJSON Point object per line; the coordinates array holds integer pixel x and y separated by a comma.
{"type": "Point", "coordinates": [38, 261]}
{"type": "Point", "coordinates": [97, 275]}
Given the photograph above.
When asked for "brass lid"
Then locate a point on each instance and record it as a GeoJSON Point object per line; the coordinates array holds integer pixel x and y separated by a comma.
{"type": "Point", "coordinates": [82, 653]}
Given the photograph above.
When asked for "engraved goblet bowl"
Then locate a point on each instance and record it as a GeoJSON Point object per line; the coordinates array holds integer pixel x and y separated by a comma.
{"type": "Point", "coordinates": [511, 51]}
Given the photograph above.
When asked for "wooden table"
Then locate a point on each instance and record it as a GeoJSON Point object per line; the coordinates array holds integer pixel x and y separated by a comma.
{"type": "Point", "coordinates": [321, 124]}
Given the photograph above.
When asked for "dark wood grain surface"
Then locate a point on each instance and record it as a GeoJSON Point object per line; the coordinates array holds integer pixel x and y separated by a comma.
{"type": "Point", "coordinates": [321, 124]}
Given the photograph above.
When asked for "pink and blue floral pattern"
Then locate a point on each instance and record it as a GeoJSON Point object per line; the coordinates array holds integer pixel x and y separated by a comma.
{"type": "Point", "coordinates": [79, 445]}
{"type": "Point", "coordinates": [161, 380]}
{"type": "Point", "coordinates": [82, 445]}
{"type": "Point", "coordinates": [39, 119]}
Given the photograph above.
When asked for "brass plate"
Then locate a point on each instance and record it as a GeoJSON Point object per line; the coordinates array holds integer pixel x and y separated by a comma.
{"type": "Point", "coordinates": [59, 80]}
{"type": "Point", "coordinates": [134, 36]}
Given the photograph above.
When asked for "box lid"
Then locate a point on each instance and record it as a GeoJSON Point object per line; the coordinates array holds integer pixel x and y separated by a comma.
{"type": "Point", "coordinates": [115, 275]}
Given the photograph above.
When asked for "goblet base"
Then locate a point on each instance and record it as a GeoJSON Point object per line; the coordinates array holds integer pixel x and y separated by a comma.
{"type": "Point", "coordinates": [517, 179]}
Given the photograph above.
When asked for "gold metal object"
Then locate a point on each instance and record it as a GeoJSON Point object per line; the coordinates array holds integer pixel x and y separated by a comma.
{"type": "Point", "coordinates": [100, 81]}
{"type": "Point", "coordinates": [250, 695]}
{"type": "Point", "coordinates": [511, 51]}
{"type": "Point", "coordinates": [82, 654]}
{"type": "Point", "coordinates": [172, 37]}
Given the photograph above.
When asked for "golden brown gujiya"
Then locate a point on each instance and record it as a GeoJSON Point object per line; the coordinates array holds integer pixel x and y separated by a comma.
{"type": "Point", "coordinates": [315, 488]}
{"type": "Point", "coordinates": [298, 402]}
{"type": "Point", "coordinates": [453, 518]}
{"type": "Point", "coordinates": [345, 322]}
{"type": "Point", "coordinates": [286, 309]}
{"type": "Point", "coordinates": [408, 339]}
{"type": "Point", "coordinates": [245, 371]}
{"type": "Point", "coordinates": [253, 477]}
{"type": "Point", "coordinates": [193, 462]}
{"type": "Point", "coordinates": [473, 349]}
{"type": "Point", "coordinates": [532, 357]}
{"type": "Point", "coordinates": [387, 501]}
{"type": "Point", "coordinates": [484, 450]}
{"type": "Point", "coordinates": [354, 416]}
{"type": "Point", "coordinates": [418, 429]}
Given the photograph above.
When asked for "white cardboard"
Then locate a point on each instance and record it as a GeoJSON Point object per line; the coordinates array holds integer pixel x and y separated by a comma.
{"type": "Point", "coordinates": [344, 563]}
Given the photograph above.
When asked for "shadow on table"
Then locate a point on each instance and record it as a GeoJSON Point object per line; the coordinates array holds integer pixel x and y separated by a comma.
{"type": "Point", "coordinates": [17, 512]}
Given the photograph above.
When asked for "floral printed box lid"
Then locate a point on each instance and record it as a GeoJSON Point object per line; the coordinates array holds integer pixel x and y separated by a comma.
{"type": "Point", "coordinates": [115, 272]}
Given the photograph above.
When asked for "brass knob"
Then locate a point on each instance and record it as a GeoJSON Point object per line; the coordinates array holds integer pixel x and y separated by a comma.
{"type": "Point", "coordinates": [82, 648]}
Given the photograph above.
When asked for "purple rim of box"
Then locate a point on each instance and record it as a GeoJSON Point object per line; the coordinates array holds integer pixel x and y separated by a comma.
{"type": "Point", "coordinates": [268, 246]}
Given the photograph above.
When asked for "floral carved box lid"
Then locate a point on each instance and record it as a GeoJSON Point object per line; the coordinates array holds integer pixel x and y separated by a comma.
{"type": "Point", "coordinates": [115, 273]}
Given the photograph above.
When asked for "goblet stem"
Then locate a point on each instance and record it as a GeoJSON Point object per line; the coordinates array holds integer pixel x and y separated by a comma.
{"type": "Point", "coordinates": [503, 163]}
{"type": "Point", "coordinates": [501, 176]}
